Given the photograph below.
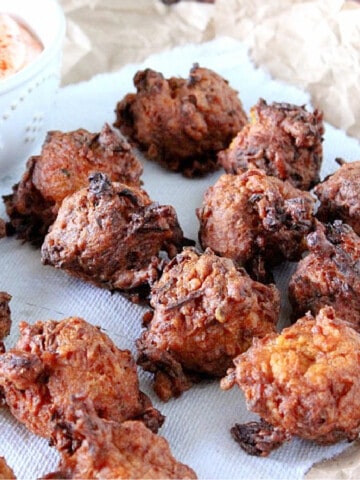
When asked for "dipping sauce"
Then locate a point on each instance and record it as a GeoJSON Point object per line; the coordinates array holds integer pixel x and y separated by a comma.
{"type": "Point", "coordinates": [18, 46]}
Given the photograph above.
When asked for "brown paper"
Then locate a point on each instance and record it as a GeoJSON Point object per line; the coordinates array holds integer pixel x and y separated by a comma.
{"type": "Point", "coordinates": [313, 44]}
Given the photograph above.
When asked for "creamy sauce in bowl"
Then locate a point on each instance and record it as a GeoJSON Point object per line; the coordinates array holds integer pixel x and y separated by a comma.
{"type": "Point", "coordinates": [18, 46]}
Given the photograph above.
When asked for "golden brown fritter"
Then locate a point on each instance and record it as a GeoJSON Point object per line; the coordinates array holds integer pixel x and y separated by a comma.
{"type": "Point", "coordinates": [303, 382]}
{"type": "Point", "coordinates": [339, 195]}
{"type": "Point", "coordinates": [255, 219]}
{"type": "Point", "coordinates": [92, 447]}
{"type": "Point", "coordinates": [282, 139]}
{"type": "Point", "coordinates": [205, 313]}
{"type": "Point", "coordinates": [53, 361]}
{"type": "Point", "coordinates": [112, 235]}
{"type": "Point", "coordinates": [63, 167]}
{"type": "Point", "coordinates": [6, 472]}
{"type": "Point", "coordinates": [181, 123]}
{"type": "Point", "coordinates": [329, 274]}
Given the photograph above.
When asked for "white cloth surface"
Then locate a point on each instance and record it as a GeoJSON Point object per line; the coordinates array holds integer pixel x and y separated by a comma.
{"type": "Point", "coordinates": [197, 424]}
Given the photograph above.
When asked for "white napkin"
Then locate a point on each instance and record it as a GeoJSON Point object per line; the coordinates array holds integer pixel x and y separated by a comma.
{"type": "Point", "coordinates": [197, 424]}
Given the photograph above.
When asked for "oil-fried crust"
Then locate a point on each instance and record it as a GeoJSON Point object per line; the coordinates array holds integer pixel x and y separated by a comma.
{"type": "Point", "coordinates": [206, 311]}
{"type": "Point", "coordinates": [329, 274]}
{"type": "Point", "coordinates": [112, 235]}
{"type": "Point", "coordinates": [92, 447]}
{"type": "Point", "coordinates": [256, 220]}
{"type": "Point", "coordinates": [304, 381]}
{"type": "Point", "coordinates": [258, 438]}
{"type": "Point", "coordinates": [283, 139]}
{"type": "Point", "coordinates": [181, 123]}
{"type": "Point", "coordinates": [339, 195]}
{"type": "Point", "coordinates": [63, 167]}
{"type": "Point", "coordinates": [53, 361]}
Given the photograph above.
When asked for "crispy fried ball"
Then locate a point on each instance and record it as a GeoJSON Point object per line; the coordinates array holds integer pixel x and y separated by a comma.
{"type": "Point", "coordinates": [303, 382]}
{"type": "Point", "coordinates": [92, 447]}
{"type": "Point", "coordinates": [63, 167]}
{"type": "Point", "coordinates": [112, 235]}
{"type": "Point", "coordinates": [181, 123]}
{"type": "Point", "coordinates": [339, 195]}
{"type": "Point", "coordinates": [53, 361]}
{"type": "Point", "coordinates": [329, 274]}
{"type": "Point", "coordinates": [255, 219]}
{"type": "Point", "coordinates": [282, 139]}
{"type": "Point", "coordinates": [6, 472]}
{"type": "Point", "coordinates": [206, 311]}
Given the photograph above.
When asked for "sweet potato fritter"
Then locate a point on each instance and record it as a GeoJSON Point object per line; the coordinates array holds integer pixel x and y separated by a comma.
{"type": "Point", "coordinates": [92, 447]}
{"type": "Point", "coordinates": [53, 361]}
{"type": "Point", "coordinates": [329, 274]}
{"type": "Point", "coordinates": [181, 123]}
{"type": "Point", "coordinates": [63, 167]}
{"type": "Point", "coordinates": [112, 235]}
{"type": "Point", "coordinates": [255, 219]}
{"type": "Point", "coordinates": [303, 382]}
{"type": "Point", "coordinates": [205, 313]}
{"type": "Point", "coordinates": [339, 195]}
{"type": "Point", "coordinates": [282, 139]}
{"type": "Point", "coordinates": [6, 472]}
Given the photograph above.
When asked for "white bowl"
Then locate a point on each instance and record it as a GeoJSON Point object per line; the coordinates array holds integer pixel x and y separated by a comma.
{"type": "Point", "coordinates": [27, 97]}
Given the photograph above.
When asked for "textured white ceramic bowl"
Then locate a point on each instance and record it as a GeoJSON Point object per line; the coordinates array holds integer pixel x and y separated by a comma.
{"type": "Point", "coordinates": [27, 98]}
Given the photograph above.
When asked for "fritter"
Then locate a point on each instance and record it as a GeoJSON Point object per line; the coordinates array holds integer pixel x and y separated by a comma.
{"type": "Point", "coordinates": [92, 447]}
{"type": "Point", "coordinates": [6, 472]}
{"type": "Point", "coordinates": [112, 235]}
{"type": "Point", "coordinates": [53, 361]}
{"type": "Point", "coordinates": [339, 195]}
{"type": "Point", "coordinates": [256, 220]}
{"type": "Point", "coordinates": [329, 274]}
{"type": "Point", "coordinates": [303, 382]}
{"type": "Point", "coordinates": [181, 123]}
{"type": "Point", "coordinates": [63, 167]}
{"type": "Point", "coordinates": [206, 312]}
{"type": "Point", "coordinates": [282, 139]}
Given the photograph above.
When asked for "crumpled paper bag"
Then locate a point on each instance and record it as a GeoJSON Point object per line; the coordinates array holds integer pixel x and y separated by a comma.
{"type": "Point", "coordinates": [313, 44]}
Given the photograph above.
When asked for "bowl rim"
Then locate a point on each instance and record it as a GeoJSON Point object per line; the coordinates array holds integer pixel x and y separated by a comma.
{"type": "Point", "coordinates": [35, 66]}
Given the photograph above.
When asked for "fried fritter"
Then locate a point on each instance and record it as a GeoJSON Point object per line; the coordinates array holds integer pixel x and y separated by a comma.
{"type": "Point", "coordinates": [282, 139]}
{"type": "Point", "coordinates": [53, 361]}
{"type": "Point", "coordinates": [63, 167]}
{"type": "Point", "coordinates": [256, 220]}
{"type": "Point", "coordinates": [339, 195]}
{"type": "Point", "coordinates": [6, 472]}
{"type": "Point", "coordinates": [303, 382]}
{"type": "Point", "coordinates": [181, 123]}
{"type": "Point", "coordinates": [92, 447]}
{"type": "Point", "coordinates": [206, 312]}
{"type": "Point", "coordinates": [329, 274]}
{"type": "Point", "coordinates": [112, 235]}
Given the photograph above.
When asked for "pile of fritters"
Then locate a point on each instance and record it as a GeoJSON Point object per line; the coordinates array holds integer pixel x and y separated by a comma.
{"type": "Point", "coordinates": [63, 167]}
{"type": "Point", "coordinates": [68, 382]}
{"type": "Point", "coordinates": [213, 309]}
